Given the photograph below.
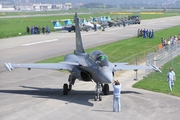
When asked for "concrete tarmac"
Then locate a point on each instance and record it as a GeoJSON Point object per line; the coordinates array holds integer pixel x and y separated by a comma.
{"type": "Point", "coordinates": [37, 94]}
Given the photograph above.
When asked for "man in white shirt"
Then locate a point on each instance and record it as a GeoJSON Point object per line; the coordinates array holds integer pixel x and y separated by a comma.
{"type": "Point", "coordinates": [171, 78]}
{"type": "Point", "coordinates": [117, 93]}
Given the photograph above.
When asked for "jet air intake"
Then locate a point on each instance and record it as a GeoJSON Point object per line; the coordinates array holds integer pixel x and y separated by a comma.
{"type": "Point", "coordinates": [85, 76]}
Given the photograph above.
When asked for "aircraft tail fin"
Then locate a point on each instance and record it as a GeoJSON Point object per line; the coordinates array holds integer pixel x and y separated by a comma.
{"type": "Point", "coordinates": [67, 22]}
{"type": "Point", "coordinates": [57, 25]}
{"type": "Point", "coordinates": [79, 45]}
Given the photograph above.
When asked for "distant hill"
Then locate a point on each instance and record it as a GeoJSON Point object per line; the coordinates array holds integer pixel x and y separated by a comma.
{"type": "Point", "coordinates": [113, 2]}
{"type": "Point", "coordinates": [107, 2]}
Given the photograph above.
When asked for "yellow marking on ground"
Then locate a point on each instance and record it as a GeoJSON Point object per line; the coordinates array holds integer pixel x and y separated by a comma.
{"type": "Point", "coordinates": [124, 13]}
{"type": "Point", "coordinates": [151, 13]}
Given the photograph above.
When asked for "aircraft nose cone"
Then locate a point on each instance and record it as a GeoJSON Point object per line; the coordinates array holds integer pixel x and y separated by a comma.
{"type": "Point", "coordinates": [107, 75]}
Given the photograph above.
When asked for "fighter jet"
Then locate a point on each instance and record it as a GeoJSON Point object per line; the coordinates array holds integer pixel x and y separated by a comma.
{"type": "Point", "coordinates": [85, 67]}
{"type": "Point", "coordinates": [68, 25]}
{"type": "Point", "coordinates": [103, 24]}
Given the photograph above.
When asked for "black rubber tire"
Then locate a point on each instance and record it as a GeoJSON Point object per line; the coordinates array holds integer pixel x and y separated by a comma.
{"type": "Point", "coordinates": [100, 98]}
{"type": "Point", "coordinates": [106, 89]}
{"type": "Point", "coordinates": [95, 98]}
{"type": "Point", "coordinates": [65, 89]}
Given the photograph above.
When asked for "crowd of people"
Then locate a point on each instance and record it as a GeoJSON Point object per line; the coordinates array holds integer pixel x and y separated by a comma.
{"type": "Point", "coordinates": [37, 30]}
{"type": "Point", "coordinates": [145, 33]}
{"type": "Point", "coordinates": [171, 40]}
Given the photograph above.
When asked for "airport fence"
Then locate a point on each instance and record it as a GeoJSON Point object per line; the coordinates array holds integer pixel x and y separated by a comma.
{"type": "Point", "coordinates": [155, 56]}
{"type": "Point", "coordinates": [163, 55]}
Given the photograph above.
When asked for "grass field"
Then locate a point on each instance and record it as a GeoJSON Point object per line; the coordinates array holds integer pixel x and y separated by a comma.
{"type": "Point", "coordinates": [11, 27]}
{"type": "Point", "coordinates": [131, 46]}
{"type": "Point", "coordinates": [157, 82]}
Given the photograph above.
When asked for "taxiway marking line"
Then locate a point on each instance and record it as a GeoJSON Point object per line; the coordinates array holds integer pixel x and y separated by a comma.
{"type": "Point", "coordinates": [163, 21]}
{"type": "Point", "coordinates": [45, 41]}
{"type": "Point", "coordinates": [151, 23]}
{"type": "Point", "coordinates": [88, 33]}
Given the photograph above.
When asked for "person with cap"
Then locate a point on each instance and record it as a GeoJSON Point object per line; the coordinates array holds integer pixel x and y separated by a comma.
{"type": "Point", "coordinates": [171, 78]}
{"type": "Point", "coordinates": [116, 97]}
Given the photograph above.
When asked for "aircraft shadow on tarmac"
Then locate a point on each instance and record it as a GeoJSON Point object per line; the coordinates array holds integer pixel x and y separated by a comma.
{"type": "Point", "coordinates": [75, 96]}
{"type": "Point", "coordinates": [130, 92]}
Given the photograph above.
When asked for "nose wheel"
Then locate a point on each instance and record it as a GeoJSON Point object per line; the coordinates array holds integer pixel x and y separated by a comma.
{"type": "Point", "coordinates": [98, 93]}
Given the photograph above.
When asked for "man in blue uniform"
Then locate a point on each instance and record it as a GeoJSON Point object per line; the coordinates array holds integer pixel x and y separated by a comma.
{"type": "Point", "coordinates": [116, 98]}
{"type": "Point", "coordinates": [170, 78]}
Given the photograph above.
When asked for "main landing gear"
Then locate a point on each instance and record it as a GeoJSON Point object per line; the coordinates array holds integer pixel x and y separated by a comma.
{"type": "Point", "coordinates": [98, 91]}
{"type": "Point", "coordinates": [99, 88]}
{"type": "Point", "coordinates": [67, 88]}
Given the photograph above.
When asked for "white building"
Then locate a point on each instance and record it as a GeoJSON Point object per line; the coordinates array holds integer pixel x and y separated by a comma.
{"type": "Point", "coordinates": [36, 7]}
{"type": "Point", "coordinates": [6, 8]}
{"type": "Point", "coordinates": [42, 7]}
{"type": "Point", "coordinates": [24, 7]}
{"type": "Point", "coordinates": [68, 6]}
{"type": "Point", "coordinates": [59, 6]}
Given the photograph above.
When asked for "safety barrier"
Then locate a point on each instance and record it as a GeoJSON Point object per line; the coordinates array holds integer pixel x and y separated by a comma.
{"type": "Point", "coordinates": [163, 55]}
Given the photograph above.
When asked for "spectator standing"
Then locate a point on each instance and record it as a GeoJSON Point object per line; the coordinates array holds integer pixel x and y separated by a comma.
{"type": "Point", "coordinates": [152, 34]}
{"type": "Point", "coordinates": [32, 30]}
{"type": "Point", "coordinates": [28, 29]}
{"type": "Point", "coordinates": [117, 96]}
{"type": "Point", "coordinates": [144, 33]}
{"type": "Point", "coordinates": [47, 30]}
{"type": "Point", "coordinates": [43, 30]}
{"type": "Point", "coordinates": [178, 37]}
{"type": "Point", "coordinates": [171, 78]}
{"type": "Point", "coordinates": [149, 34]}
{"type": "Point", "coordinates": [95, 27]}
{"type": "Point", "coordinates": [138, 33]}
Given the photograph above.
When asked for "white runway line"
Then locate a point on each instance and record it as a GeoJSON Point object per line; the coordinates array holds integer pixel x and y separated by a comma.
{"type": "Point", "coordinates": [172, 19]}
{"type": "Point", "coordinates": [151, 23]}
{"type": "Point", "coordinates": [89, 33]}
{"type": "Point", "coordinates": [163, 21]}
{"type": "Point", "coordinates": [45, 41]}
{"type": "Point", "coordinates": [114, 29]}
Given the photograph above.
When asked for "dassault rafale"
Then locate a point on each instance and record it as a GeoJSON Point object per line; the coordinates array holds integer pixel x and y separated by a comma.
{"type": "Point", "coordinates": [85, 67]}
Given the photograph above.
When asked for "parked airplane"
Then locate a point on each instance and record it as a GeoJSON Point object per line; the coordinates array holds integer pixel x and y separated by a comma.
{"type": "Point", "coordinates": [86, 67]}
{"type": "Point", "coordinates": [90, 24]}
{"type": "Point", "coordinates": [103, 24]}
{"type": "Point", "coordinates": [68, 25]}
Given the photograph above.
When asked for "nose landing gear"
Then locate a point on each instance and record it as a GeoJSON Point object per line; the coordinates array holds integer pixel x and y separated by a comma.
{"type": "Point", "coordinates": [98, 92]}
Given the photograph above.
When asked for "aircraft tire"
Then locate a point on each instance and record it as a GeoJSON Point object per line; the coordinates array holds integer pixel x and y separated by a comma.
{"type": "Point", "coordinates": [106, 89]}
{"type": "Point", "coordinates": [100, 98]}
{"type": "Point", "coordinates": [70, 87]}
{"type": "Point", "coordinates": [95, 98]}
{"type": "Point", "coordinates": [65, 89]}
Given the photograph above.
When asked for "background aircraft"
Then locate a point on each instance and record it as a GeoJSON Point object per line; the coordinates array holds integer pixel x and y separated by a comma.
{"type": "Point", "coordinates": [68, 25]}
{"type": "Point", "coordinates": [103, 24]}
{"type": "Point", "coordinates": [90, 24]}
{"type": "Point", "coordinates": [86, 67]}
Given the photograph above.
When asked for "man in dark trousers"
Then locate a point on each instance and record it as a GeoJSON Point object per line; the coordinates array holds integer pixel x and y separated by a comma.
{"type": "Point", "coordinates": [43, 29]}
{"type": "Point", "coordinates": [116, 98]}
{"type": "Point", "coordinates": [95, 27]}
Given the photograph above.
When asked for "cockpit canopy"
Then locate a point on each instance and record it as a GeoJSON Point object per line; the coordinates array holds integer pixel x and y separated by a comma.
{"type": "Point", "coordinates": [99, 57]}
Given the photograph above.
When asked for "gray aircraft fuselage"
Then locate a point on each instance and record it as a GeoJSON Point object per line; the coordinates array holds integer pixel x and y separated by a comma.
{"type": "Point", "coordinates": [93, 67]}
